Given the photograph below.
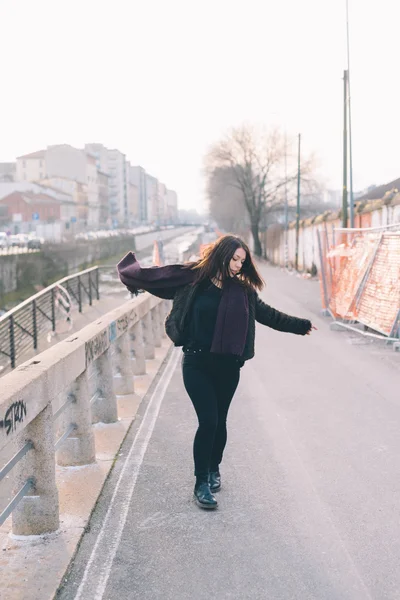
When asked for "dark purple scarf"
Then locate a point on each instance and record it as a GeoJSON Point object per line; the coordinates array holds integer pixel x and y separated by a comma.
{"type": "Point", "coordinates": [233, 313]}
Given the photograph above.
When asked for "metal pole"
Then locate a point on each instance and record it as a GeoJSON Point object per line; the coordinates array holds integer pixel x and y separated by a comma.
{"type": "Point", "coordinates": [323, 272]}
{"type": "Point", "coordinates": [344, 197]}
{"type": "Point", "coordinates": [12, 342]}
{"type": "Point", "coordinates": [286, 250]}
{"type": "Point", "coordinates": [90, 288]}
{"type": "Point", "coordinates": [53, 309]}
{"type": "Point", "coordinates": [34, 325]}
{"type": "Point", "coordinates": [97, 284]}
{"type": "Point", "coordinates": [350, 132]}
{"type": "Point", "coordinates": [298, 207]}
{"type": "Point", "coordinates": [79, 294]}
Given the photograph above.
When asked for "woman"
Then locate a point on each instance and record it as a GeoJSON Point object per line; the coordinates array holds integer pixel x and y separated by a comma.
{"type": "Point", "coordinates": [213, 317]}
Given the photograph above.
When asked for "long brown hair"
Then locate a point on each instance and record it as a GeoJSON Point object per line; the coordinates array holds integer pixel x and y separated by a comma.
{"type": "Point", "coordinates": [217, 257]}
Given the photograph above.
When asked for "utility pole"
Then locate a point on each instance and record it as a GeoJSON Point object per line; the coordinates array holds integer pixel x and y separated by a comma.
{"type": "Point", "coordinates": [286, 250]}
{"type": "Point", "coordinates": [298, 206]}
{"type": "Point", "coordinates": [351, 202]}
{"type": "Point", "coordinates": [344, 197]}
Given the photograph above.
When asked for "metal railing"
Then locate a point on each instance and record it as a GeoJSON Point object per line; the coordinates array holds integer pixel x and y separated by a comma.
{"type": "Point", "coordinates": [21, 327]}
{"type": "Point", "coordinates": [50, 405]}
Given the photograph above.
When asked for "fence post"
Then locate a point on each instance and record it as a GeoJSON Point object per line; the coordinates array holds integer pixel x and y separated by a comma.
{"type": "Point", "coordinates": [38, 511]}
{"type": "Point", "coordinates": [97, 284]}
{"type": "Point", "coordinates": [124, 381]}
{"type": "Point", "coordinates": [148, 336]}
{"type": "Point", "coordinates": [53, 309]}
{"type": "Point", "coordinates": [34, 325]}
{"type": "Point", "coordinates": [104, 409]}
{"type": "Point", "coordinates": [79, 294]}
{"type": "Point", "coordinates": [90, 289]}
{"type": "Point", "coordinates": [156, 318]}
{"type": "Point", "coordinates": [12, 342]}
{"type": "Point", "coordinates": [139, 363]}
{"type": "Point", "coordinates": [79, 449]}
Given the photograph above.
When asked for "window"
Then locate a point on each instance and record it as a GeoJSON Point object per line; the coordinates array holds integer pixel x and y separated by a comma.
{"type": "Point", "coordinates": [23, 164]}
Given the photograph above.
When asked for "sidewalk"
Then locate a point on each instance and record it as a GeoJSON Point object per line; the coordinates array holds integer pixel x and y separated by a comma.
{"type": "Point", "coordinates": [308, 509]}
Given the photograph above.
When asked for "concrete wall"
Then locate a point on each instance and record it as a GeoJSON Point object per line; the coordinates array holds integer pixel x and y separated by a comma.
{"type": "Point", "coordinates": [58, 382]}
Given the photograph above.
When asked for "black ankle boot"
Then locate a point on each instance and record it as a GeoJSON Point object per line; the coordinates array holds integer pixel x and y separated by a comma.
{"type": "Point", "coordinates": [203, 495]}
{"type": "Point", "coordinates": [215, 481]}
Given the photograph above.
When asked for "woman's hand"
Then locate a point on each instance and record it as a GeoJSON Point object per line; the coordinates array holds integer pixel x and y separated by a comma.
{"type": "Point", "coordinates": [310, 331]}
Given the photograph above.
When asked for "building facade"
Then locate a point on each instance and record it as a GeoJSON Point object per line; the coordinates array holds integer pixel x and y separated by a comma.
{"type": "Point", "coordinates": [25, 210]}
{"type": "Point", "coordinates": [77, 165]}
{"type": "Point", "coordinates": [103, 179]}
{"type": "Point", "coordinates": [31, 167]}
{"type": "Point", "coordinates": [114, 163]}
{"type": "Point", "coordinates": [171, 207]}
{"type": "Point", "coordinates": [8, 171]}
{"type": "Point", "coordinates": [152, 199]}
{"type": "Point", "coordinates": [107, 190]}
{"type": "Point", "coordinates": [138, 178]}
{"type": "Point", "coordinates": [77, 191]}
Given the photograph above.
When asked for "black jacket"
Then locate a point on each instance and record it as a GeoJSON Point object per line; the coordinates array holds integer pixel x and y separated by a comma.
{"type": "Point", "coordinates": [176, 322]}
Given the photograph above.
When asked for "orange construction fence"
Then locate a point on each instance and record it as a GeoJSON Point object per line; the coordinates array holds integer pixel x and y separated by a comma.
{"type": "Point", "coordinates": [360, 277]}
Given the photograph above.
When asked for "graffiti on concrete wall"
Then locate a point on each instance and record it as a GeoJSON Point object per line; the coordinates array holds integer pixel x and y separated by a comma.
{"type": "Point", "coordinates": [99, 344]}
{"type": "Point", "coordinates": [96, 346]}
{"type": "Point", "coordinates": [15, 414]}
{"type": "Point", "coordinates": [126, 321]}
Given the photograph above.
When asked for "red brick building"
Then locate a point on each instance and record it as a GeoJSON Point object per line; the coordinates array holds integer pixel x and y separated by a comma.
{"type": "Point", "coordinates": [22, 206]}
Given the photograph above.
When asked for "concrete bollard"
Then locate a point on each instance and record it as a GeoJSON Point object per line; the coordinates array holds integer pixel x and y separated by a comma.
{"type": "Point", "coordinates": [137, 345]}
{"type": "Point", "coordinates": [156, 318]}
{"type": "Point", "coordinates": [163, 316]}
{"type": "Point", "coordinates": [79, 448]}
{"type": "Point", "coordinates": [148, 336]}
{"type": "Point", "coordinates": [124, 381]}
{"type": "Point", "coordinates": [38, 511]}
{"type": "Point", "coordinates": [104, 408]}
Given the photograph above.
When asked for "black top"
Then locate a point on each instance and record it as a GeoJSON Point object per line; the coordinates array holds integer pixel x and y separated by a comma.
{"type": "Point", "coordinates": [203, 316]}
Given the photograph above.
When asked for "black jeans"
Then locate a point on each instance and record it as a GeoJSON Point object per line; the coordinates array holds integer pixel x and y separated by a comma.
{"type": "Point", "coordinates": [211, 381]}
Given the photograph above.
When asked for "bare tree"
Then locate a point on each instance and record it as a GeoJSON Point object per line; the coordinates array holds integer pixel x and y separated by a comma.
{"type": "Point", "coordinates": [226, 203]}
{"type": "Point", "coordinates": [256, 161]}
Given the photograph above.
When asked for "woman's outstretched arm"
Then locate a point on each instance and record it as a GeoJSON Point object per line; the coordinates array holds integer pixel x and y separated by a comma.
{"type": "Point", "coordinates": [162, 282]}
{"type": "Point", "coordinates": [266, 315]}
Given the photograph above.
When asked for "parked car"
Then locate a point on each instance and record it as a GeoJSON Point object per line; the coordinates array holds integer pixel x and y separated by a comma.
{"type": "Point", "coordinates": [22, 239]}
{"type": "Point", "coordinates": [13, 241]}
{"type": "Point", "coordinates": [4, 241]}
{"type": "Point", "coordinates": [35, 243]}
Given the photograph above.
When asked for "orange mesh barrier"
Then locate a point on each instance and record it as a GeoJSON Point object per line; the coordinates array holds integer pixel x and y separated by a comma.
{"type": "Point", "coordinates": [360, 277]}
{"type": "Point", "coordinates": [380, 301]}
{"type": "Point", "coordinates": [350, 266]}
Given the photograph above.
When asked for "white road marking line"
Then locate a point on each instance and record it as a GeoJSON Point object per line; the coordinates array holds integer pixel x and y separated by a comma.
{"type": "Point", "coordinates": [109, 536]}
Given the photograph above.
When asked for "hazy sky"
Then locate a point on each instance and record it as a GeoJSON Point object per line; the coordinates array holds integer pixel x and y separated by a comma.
{"type": "Point", "coordinates": [162, 79]}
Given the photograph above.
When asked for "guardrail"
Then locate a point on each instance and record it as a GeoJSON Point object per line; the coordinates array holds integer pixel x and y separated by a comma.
{"type": "Point", "coordinates": [49, 404]}
{"type": "Point", "coordinates": [20, 327]}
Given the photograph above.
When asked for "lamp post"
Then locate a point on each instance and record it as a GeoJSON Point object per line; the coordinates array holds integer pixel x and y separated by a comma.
{"type": "Point", "coordinates": [298, 206]}
{"type": "Point", "coordinates": [286, 249]}
{"type": "Point", "coordinates": [351, 199]}
{"type": "Point", "coordinates": [344, 192]}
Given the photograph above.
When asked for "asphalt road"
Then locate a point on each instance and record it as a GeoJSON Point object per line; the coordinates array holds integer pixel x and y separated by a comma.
{"type": "Point", "coordinates": [310, 503]}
